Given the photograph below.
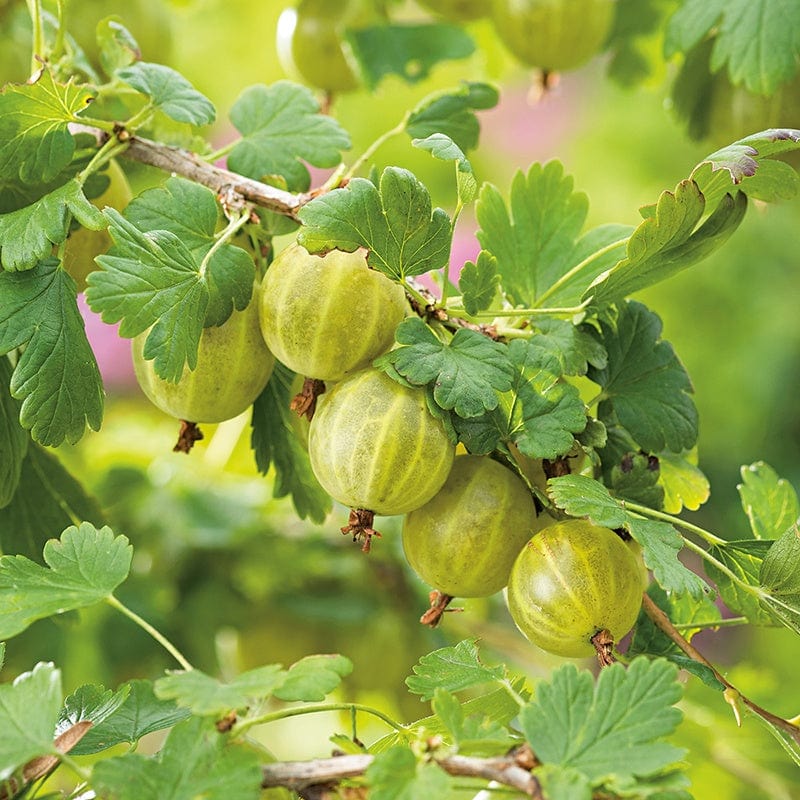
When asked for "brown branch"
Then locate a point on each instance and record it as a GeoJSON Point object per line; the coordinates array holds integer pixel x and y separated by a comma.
{"type": "Point", "coordinates": [223, 182]}
{"type": "Point", "coordinates": [298, 776]}
{"type": "Point", "coordinates": [664, 624]}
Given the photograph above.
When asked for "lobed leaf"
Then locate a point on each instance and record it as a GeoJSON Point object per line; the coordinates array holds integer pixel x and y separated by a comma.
{"type": "Point", "coordinates": [13, 443]}
{"type": "Point", "coordinates": [282, 127]}
{"type": "Point", "coordinates": [645, 387]}
{"type": "Point", "coordinates": [195, 761]}
{"type": "Point", "coordinates": [540, 414]}
{"type": "Point", "coordinates": [770, 502]}
{"type": "Point", "coordinates": [35, 142]}
{"type": "Point", "coordinates": [84, 567]}
{"type": "Point", "coordinates": [683, 482]}
{"type": "Point", "coordinates": [27, 235]}
{"type": "Point", "coordinates": [451, 113]}
{"type": "Point", "coordinates": [615, 727]}
{"type": "Point", "coordinates": [780, 577]}
{"type": "Point", "coordinates": [90, 703]}
{"type": "Point", "coordinates": [445, 149]}
{"type": "Point", "coordinates": [533, 238]}
{"type": "Point", "coordinates": [451, 668]}
{"type": "Point", "coordinates": [140, 713]}
{"type": "Point", "coordinates": [169, 92]}
{"type": "Point", "coordinates": [274, 441]}
{"type": "Point", "coordinates": [466, 373]}
{"type": "Point", "coordinates": [56, 376]}
{"type": "Point", "coordinates": [28, 712]}
{"type": "Point", "coordinates": [472, 734]}
{"type": "Point", "coordinates": [573, 345]}
{"type": "Point", "coordinates": [406, 49]}
{"type": "Point", "coordinates": [206, 696]}
{"type": "Point", "coordinates": [396, 774]}
{"type": "Point", "coordinates": [47, 498]}
{"type": "Point", "coordinates": [313, 678]}
{"type": "Point", "coordinates": [581, 496]}
{"type": "Point", "coordinates": [479, 282]}
{"type": "Point", "coordinates": [393, 221]}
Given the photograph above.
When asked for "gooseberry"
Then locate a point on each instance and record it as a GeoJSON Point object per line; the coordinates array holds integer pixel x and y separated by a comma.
{"type": "Point", "coordinates": [554, 35]}
{"type": "Point", "coordinates": [310, 45]}
{"type": "Point", "coordinates": [327, 316]}
{"type": "Point", "coordinates": [233, 367]}
{"type": "Point", "coordinates": [464, 540]}
{"type": "Point", "coordinates": [572, 581]}
{"type": "Point", "coordinates": [374, 445]}
{"type": "Point", "coordinates": [83, 244]}
{"type": "Point", "coordinates": [457, 10]}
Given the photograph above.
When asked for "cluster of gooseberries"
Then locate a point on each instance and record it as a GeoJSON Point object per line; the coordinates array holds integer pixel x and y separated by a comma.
{"type": "Point", "coordinates": [471, 525]}
{"type": "Point", "coordinates": [552, 35]}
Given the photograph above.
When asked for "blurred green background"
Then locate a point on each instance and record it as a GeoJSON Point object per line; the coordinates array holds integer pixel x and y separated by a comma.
{"type": "Point", "coordinates": [236, 580]}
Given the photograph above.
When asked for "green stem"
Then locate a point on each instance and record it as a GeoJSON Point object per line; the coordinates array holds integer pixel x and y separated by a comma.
{"type": "Point", "coordinates": [719, 623]}
{"type": "Point", "coordinates": [423, 301]}
{"type": "Point", "coordinates": [70, 763]}
{"type": "Point", "coordinates": [446, 268]}
{"type": "Point", "coordinates": [223, 237]}
{"type": "Point", "coordinates": [705, 535]}
{"type": "Point", "coordinates": [100, 124]}
{"type": "Point", "coordinates": [370, 151]}
{"type": "Point", "coordinates": [35, 10]}
{"type": "Point", "coordinates": [111, 148]}
{"type": "Point", "coordinates": [140, 118]}
{"type": "Point", "coordinates": [148, 628]}
{"type": "Point", "coordinates": [58, 45]}
{"type": "Point", "coordinates": [706, 556]}
{"type": "Point", "coordinates": [567, 276]}
{"type": "Point", "coordinates": [316, 708]}
{"type": "Point", "coordinates": [517, 697]}
{"type": "Point", "coordinates": [222, 152]}
{"type": "Point", "coordinates": [522, 312]}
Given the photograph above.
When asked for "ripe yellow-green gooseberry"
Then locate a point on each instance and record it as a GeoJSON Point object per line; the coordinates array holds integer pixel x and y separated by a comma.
{"type": "Point", "coordinates": [83, 244]}
{"type": "Point", "coordinates": [374, 445]}
{"type": "Point", "coordinates": [233, 367]}
{"type": "Point", "coordinates": [310, 45]}
{"type": "Point", "coordinates": [553, 35]}
{"type": "Point", "coordinates": [572, 581]}
{"type": "Point", "coordinates": [463, 542]}
{"type": "Point", "coordinates": [457, 10]}
{"type": "Point", "coordinates": [328, 316]}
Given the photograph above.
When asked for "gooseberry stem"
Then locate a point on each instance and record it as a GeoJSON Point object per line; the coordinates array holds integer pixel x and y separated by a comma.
{"type": "Point", "coordinates": [372, 149]}
{"type": "Point", "coordinates": [224, 236]}
{"type": "Point", "coordinates": [148, 628]}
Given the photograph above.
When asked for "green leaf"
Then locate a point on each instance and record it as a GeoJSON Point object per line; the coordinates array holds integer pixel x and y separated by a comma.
{"type": "Point", "coordinates": [452, 113]}
{"type": "Point", "coordinates": [581, 496]}
{"type": "Point", "coordinates": [573, 346]}
{"type": "Point", "coordinates": [28, 234]}
{"type": "Point", "coordinates": [743, 559]}
{"type": "Point", "coordinates": [645, 387]}
{"type": "Point", "coordinates": [479, 282]}
{"type": "Point", "coordinates": [92, 703]}
{"type": "Point", "coordinates": [532, 240]}
{"type": "Point", "coordinates": [118, 48]}
{"type": "Point", "coordinates": [192, 213]}
{"type": "Point", "coordinates": [540, 414]}
{"type": "Point", "coordinates": [393, 221]}
{"type": "Point", "coordinates": [169, 92]}
{"type": "Point", "coordinates": [47, 499]}
{"type": "Point", "coordinates": [466, 373]}
{"type": "Point", "coordinates": [85, 566]}
{"type": "Point", "coordinates": [396, 774]}
{"type": "Point", "coordinates": [770, 502]}
{"type": "Point", "coordinates": [780, 577]}
{"type": "Point", "coordinates": [141, 713]}
{"type": "Point", "coordinates": [636, 24]}
{"type": "Point", "coordinates": [563, 783]}
{"type": "Point", "coordinates": [275, 441]}
{"type": "Point", "coordinates": [13, 442]}
{"type": "Point", "coordinates": [313, 678]}
{"type": "Point", "coordinates": [28, 712]}
{"type": "Point", "coordinates": [282, 129]}
{"type": "Point", "coordinates": [56, 376]}
{"type": "Point", "coordinates": [35, 143]}
{"type": "Point", "coordinates": [196, 761]}
{"type": "Point", "coordinates": [667, 242]}
{"type": "Point", "coordinates": [207, 696]}
{"type": "Point", "coordinates": [755, 39]}
{"type": "Point", "coordinates": [445, 149]}
{"type": "Point", "coordinates": [152, 280]}
{"type": "Point", "coordinates": [451, 668]}
{"type": "Point", "coordinates": [477, 735]}
{"type": "Point", "coordinates": [636, 478]}
{"type": "Point", "coordinates": [407, 50]}
{"type": "Point", "coordinates": [683, 482]}
{"type": "Point", "coordinates": [613, 728]}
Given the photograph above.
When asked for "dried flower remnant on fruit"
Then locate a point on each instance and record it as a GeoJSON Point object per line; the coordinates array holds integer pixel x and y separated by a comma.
{"type": "Point", "coordinates": [359, 526]}
{"type": "Point", "coordinates": [304, 403]}
{"type": "Point", "coordinates": [188, 434]}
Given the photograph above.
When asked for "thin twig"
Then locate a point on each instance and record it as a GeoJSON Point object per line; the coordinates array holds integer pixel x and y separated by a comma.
{"type": "Point", "coordinates": [664, 624]}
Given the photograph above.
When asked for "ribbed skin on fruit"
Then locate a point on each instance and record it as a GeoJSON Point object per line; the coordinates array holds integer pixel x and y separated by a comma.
{"type": "Point", "coordinates": [233, 367]}
{"type": "Point", "coordinates": [328, 316]}
{"type": "Point", "coordinates": [570, 581]}
{"type": "Point", "coordinates": [464, 541]}
{"type": "Point", "coordinates": [373, 444]}
{"type": "Point", "coordinates": [553, 34]}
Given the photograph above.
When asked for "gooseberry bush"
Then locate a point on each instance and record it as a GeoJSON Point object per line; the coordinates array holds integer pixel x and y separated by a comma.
{"type": "Point", "coordinates": [522, 413]}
